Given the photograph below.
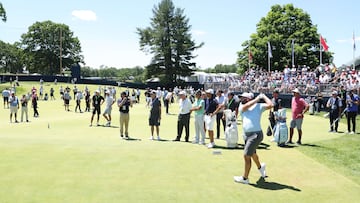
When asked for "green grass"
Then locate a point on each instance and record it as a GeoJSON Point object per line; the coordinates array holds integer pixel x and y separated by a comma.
{"type": "Point", "coordinates": [340, 154]}
{"type": "Point", "coordinates": [72, 162]}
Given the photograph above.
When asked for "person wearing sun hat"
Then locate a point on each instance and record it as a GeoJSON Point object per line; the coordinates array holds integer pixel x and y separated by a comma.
{"type": "Point", "coordinates": [251, 110]}
{"type": "Point", "coordinates": [298, 108]}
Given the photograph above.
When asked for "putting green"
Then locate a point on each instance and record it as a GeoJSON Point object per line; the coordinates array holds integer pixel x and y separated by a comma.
{"type": "Point", "coordinates": [59, 158]}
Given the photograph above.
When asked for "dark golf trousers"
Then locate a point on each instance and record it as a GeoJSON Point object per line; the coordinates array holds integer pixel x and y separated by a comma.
{"type": "Point", "coordinates": [334, 114]}
{"type": "Point", "coordinates": [219, 120]}
{"type": "Point", "coordinates": [351, 117]}
{"type": "Point", "coordinates": [183, 121]}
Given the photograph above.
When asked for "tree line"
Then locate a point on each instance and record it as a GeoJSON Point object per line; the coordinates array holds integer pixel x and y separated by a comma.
{"type": "Point", "coordinates": [49, 47]}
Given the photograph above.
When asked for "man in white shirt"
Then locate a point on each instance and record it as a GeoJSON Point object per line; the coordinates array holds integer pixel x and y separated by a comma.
{"type": "Point", "coordinates": [109, 101]}
{"type": "Point", "coordinates": [184, 117]}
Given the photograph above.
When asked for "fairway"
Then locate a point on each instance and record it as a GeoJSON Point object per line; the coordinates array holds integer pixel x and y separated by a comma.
{"type": "Point", "coordinates": [57, 157]}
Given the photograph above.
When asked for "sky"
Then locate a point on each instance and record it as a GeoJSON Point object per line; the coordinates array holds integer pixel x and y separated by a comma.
{"type": "Point", "coordinates": [107, 28]}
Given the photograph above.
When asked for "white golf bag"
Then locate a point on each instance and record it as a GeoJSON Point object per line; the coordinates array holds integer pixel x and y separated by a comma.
{"type": "Point", "coordinates": [231, 131]}
{"type": "Point", "coordinates": [280, 129]}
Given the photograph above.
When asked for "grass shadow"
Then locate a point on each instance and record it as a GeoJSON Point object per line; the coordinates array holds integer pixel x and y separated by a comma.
{"type": "Point", "coordinates": [262, 184]}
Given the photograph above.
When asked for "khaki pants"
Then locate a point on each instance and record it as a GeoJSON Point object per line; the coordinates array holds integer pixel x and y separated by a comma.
{"type": "Point", "coordinates": [124, 121]}
{"type": "Point", "coordinates": [24, 110]}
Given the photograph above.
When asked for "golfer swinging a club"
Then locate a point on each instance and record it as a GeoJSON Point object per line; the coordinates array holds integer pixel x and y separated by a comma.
{"type": "Point", "coordinates": [251, 112]}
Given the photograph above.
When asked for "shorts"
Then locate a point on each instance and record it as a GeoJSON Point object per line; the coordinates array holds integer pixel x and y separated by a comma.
{"type": "Point", "coordinates": [209, 122]}
{"type": "Point", "coordinates": [154, 120]}
{"type": "Point", "coordinates": [252, 141]}
{"type": "Point", "coordinates": [6, 99]}
{"type": "Point", "coordinates": [13, 109]}
{"type": "Point", "coordinates": [296, 123]}
{"type": "Point", "coordinates": [107, 110]}
{"type": "Point", "coordinates": [96, 110]}
{"type": "Point", "coordinates": [66, 101]}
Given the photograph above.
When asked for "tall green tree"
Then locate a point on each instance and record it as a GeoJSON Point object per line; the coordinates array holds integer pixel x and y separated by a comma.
{"type": "Point", "coordinates": [50, 47]}
{"type": "Point", "coordinates": [11, 58]}
{"type": "Point", "coordinates": [168, 39]}
{"type": "Point", "coordinates": [282, 25]}
{"type": "Point", "coordinates": [2, 13]}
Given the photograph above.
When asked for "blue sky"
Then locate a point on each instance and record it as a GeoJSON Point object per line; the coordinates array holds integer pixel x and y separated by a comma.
{"type": "Point", "coordinates": [107, 29]}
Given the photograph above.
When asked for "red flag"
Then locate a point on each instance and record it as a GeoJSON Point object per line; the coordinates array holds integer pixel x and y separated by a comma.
{"type": "Point", "coordinates": [323, 43]}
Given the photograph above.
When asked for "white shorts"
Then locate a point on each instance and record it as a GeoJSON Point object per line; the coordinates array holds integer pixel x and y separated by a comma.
{"type": "Point", "coordinates": [107, 110]}
{"type": "Point", "coordinates": [209, 122]}
{"type": "Point", "coordinates": [13, 109]}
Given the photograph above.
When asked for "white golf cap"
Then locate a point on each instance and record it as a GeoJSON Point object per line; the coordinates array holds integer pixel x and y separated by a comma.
{"type": "Point", "coordinates": [247, 95]}
{"type": "Point", "coordinates": [98, 91]}
{"type": "Point", "coordinates": [210, 91]}
{"type": "Point", "coordinates": [296, 90]}
{"type": "Point", "coordinates": [182, 93]}
{"type": "Point", "coordinates": [335, 92]}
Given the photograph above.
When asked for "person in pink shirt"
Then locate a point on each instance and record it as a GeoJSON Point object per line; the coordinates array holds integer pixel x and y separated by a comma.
{"type": "Point", "coordinates": [298, 108]}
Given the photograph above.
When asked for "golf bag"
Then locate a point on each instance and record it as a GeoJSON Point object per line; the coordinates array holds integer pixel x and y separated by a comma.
{"type": "Point", "coordinates": [280, 129]}
{"type": "Point", "coordinates": [231, 131]}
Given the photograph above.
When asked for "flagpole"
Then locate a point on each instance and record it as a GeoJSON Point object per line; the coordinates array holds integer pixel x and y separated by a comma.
{"type": "Point", "coordinates": [249, 56]}
{"type": "Point", "coordinates": [292, 53]}
{"type": "Point", "coordinates": [269, 56]}
{"type": "Point", "coordinates": [354, 50]}
{"type": "Point", "coordinates": [320, 50]}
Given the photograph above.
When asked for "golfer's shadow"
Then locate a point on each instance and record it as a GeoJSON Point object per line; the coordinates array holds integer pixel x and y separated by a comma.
{"type": "Point", "coordinates": [261, 183]}
{"type": "Point", "coordinates": [132, 139]}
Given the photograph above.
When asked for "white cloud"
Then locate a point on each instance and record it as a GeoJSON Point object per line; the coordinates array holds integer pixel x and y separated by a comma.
{"type": "Point", "coordinates": [86, 15]}
{"type": "Point", "coordinates": [199, 32]}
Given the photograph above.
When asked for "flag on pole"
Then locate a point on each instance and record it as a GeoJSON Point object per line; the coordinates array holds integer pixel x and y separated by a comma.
{"type": "Point", "coordinates": [323, 44]}
{"type": "Point", "coordinates": [354, 45]}
{"type": "Point", "coordinates": [269, 50]}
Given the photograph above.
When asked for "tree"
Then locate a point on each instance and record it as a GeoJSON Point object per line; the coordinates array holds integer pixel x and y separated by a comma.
{"type": "Point", "coordinates": [11, 58]}
{"type": "Point", "coordinates": [2, 13]}
{"type": "Point", "coordinates": [50, 47]}
{"type": "Point", "coordinates": [282, 25]}
{"type": "Point", "coordinates": [169, 40]}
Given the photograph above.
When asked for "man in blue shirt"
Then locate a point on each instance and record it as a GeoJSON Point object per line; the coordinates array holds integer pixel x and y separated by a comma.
{"type": "Point", "coordinates": [251, 112]}
{"type": "Point", "coordinates": [352, 102]}
{"type": "Point", "coordinates": [14, 106]}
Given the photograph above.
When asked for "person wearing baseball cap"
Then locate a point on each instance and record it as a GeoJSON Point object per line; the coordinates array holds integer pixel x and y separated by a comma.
{"type": "Point", "coordinates": [97, 101]}
{"type": "Point", "coordinates": [335, 105]}
{"type": "Point", "coordinates": [14, 106]}
{"type": "Point", "coordinates": [109, 101]}
{"type": "Point", "coordinates": [298, 108]}
{"type": "Point", "coordinates": [251, 112]}
{"type": "Point", "coordinates": [211, 108]}
{"type": "Point", "coordinates": [277, 105]}
{"type": "Point", "coordinates": [352, 102]}
{"type": "Point", "coordinates": [155, 114]}
{"type": "Point", "coordinates": [199, 110]}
